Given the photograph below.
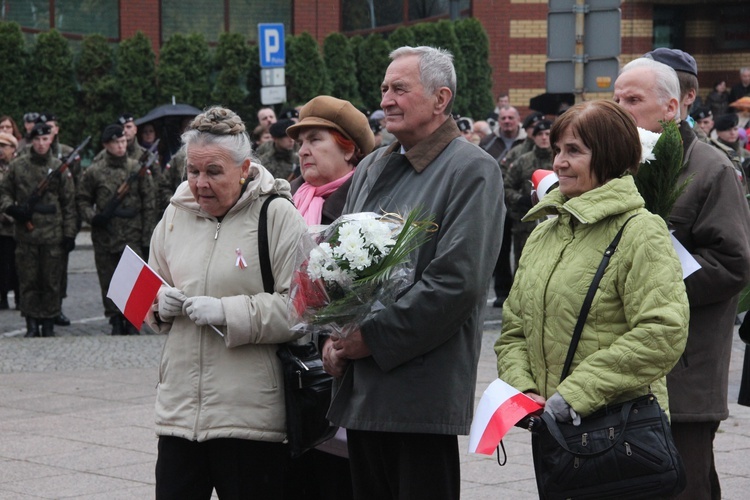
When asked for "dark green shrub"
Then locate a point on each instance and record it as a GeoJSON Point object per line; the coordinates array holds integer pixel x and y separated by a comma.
{"type": "Point", "coordinates": [13, 61]}
{"type": "Point", "coordinates": [476, 53]}
{"type": "Point", "coordinates": [403, 36]}
{"type": "Point", "coordinates": [53, 82]}
{"type": "Point", "coordinates": [231, 61]}
{"type": "Point", "coordinates": [136, 75]}
{"type": "Point", "coordinates": [184, 71]}
{"type": "Point", "coordinates": [306, 75]}
{"type": "Point", "coordinates": [374, 60]}
{"type": "Point", "coordinates": [341, 67]}
{"type": "Point", "coordinates": [252, 101]}
{"type": "Point", "coordinates": [445, 37]}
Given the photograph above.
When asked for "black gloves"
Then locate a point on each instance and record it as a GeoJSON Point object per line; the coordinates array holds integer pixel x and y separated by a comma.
{"type": "Point", "coordinates": [69, 244]}
{"type": "Point", "coordinates": [21, 214]}
{"type": "Point", "coordinates": [99, 220]}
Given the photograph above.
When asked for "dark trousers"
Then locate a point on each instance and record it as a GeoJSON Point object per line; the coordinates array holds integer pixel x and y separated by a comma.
{"type": "Point", "coordinates": [239, 469]}
{"type": "Point", "coordinates": [744, 398]}
{"type": "Point", "coordinates": [401, 466]}
{"type": "Point", "coordinates": [8, 276]}
{"type": "Point", "coordinates": [695, 443]}
{"type": "Point", "coordinates": [503, 272]}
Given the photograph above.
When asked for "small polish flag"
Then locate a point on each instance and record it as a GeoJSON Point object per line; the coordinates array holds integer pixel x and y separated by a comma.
{"type": "Point", "coordinates": [133, 287]}
{"type": "Point", "coordinates": [542, 182]}
{"type": "Point", "coordinates": [500, 408]}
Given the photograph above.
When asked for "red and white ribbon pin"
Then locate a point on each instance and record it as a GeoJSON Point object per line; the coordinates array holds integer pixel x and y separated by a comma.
{"type": "Point", "coordinates": [240, 262]}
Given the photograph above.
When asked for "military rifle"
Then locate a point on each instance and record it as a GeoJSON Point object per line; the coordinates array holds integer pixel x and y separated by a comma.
{"type": "Point", "coordinates": [145, 161]}
{"type": "Point", "coordinates": [30, 205]}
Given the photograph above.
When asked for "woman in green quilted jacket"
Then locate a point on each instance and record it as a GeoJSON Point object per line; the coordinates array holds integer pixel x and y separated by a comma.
{"type": "Point", "coordinates": [637, 327]}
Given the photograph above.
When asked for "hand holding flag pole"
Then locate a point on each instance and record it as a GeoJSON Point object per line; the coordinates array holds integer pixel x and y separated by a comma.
{"type": "Point", "coordinates": [501, 407]}
{"type": "Point", "coordinates": [134, 287]}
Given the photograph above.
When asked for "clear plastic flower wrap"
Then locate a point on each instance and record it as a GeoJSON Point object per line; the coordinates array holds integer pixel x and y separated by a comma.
{"type": "Point", "coordinates": [353, 268]}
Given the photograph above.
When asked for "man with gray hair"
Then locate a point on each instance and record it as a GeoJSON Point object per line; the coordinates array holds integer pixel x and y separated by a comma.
{"type": "Point", "coordinates": [712, 221]}
{"type": "Point", "coordinates": [406, 376]}
{"type": "Point", "coordinates": [742, 88]}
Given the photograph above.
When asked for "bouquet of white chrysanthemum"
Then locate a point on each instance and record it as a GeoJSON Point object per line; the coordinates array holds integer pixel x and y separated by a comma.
{"type": "Point", "coordinates": [357, 266]}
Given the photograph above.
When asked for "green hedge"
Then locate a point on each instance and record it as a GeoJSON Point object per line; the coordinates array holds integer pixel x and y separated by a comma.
{"type": "Point", "coordinates": [92, 89]}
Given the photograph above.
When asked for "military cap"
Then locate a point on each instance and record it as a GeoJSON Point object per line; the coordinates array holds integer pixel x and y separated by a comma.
{"type": "Point", "coordinates": [278, 129]}
{"type": "Point", "coordinates": [46, 116]}
{"type": "Point", "coordinates": [30, 117]}
{"type": "Point", "coordinates": [532, 119]}
{"type": "Point", "coordinates": [700, 114]}
{"type": "Point", "coordinates": [288, 114]}
{"type": "Point", "coordinates": [375, 126]}
{"type": "Point", "coordinates": [125, 118]}
{"type": "Point", "coordinates": [541, 126]}
{"type": "Point", "coordinates": [41, 128]}
{"type": "Point", "coordinates": [464, 124]}
{"type": "Point", "coordinates": [725, 122]}
{"type": "Point", "coordinates": [114, 131]}
{"type": "Point", "coordinates": [329, 112]}
{"type": "Point", "coordinates": [675, 59]}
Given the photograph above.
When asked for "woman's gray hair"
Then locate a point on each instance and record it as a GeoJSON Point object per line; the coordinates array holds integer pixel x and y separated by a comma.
{"type": "Point", "coordinates": [222, 127]}
{"type": "Point", "coordinates": [435, 69]}
{"type": "Point", "coordinates": [666, 83]}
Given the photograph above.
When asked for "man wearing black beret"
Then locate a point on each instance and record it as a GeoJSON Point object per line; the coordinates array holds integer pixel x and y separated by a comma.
{"type": "Point", "coordinates": [727, 133]}
{"type": "Point", "coordinates": [704, 119]}
{"type": "Point", "coordinates": [116, 221]}
{"type": "Point", "coordinates": [44, 232]}
{"type": "Point", "coordinates": [280, 158]}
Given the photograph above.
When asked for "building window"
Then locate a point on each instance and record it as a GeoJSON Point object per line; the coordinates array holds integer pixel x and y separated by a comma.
{"type": "Point", "coordinates": [71, 17]}
{"type": "Point", "coordinates": [210, 19]}
{"type": "Point", "coordinates": [371, 14]}
{"type": "Point", "coordinates": [669, 27]}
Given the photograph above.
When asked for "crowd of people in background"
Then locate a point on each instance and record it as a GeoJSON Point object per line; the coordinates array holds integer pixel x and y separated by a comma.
{"type": "Point", "coordinates": [329, 158]}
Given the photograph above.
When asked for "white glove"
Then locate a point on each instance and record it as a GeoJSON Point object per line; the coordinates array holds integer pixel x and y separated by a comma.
{"type": "Point", "coordinates": [561, 410]}
{"type": "Point", "coordinates": [170, 302]}
{"type": "Point", "coordinates": [205, 310]}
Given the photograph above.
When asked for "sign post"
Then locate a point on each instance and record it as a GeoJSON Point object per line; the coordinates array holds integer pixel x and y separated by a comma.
{"type": "Point", "coordinates": [272, 61]}
{"type": "Point", "coordinates": [583, 46]}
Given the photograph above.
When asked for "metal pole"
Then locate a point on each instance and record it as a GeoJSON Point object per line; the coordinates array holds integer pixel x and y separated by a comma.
{"type": "Point", "coordinates": [580, 11]}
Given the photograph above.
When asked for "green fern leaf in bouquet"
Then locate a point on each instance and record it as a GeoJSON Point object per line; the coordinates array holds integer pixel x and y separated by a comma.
{"type": "Point", "coordinates": [658, 178]}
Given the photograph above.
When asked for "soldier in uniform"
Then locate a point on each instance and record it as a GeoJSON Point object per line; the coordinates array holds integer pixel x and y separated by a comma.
{"type": "Point", "coordinates": [173, 175]}
{"type": "Point", "coordinates": [113, 227]}
{"type": "Point", "coordinates": [280, 158]}
{"type": "Point", "coordinates": [44, 232]}
{"type": "Point", "coordinates": [518, 184]}
{"type": "Point", "coordinates": [61, 151]}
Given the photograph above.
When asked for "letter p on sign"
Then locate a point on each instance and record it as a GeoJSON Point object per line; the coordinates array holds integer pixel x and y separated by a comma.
{"type": "Point", "coordinates": [271, 40]}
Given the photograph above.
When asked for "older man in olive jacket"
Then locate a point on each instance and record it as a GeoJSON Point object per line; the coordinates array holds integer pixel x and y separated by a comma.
{"type": "Point", "coordinates": [408, 374]}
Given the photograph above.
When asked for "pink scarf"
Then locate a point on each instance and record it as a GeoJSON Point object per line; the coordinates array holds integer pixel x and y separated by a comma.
{"type": "Point", "coordinates": [309, 199]}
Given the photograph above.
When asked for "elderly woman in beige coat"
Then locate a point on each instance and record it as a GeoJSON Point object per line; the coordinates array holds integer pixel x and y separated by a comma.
{"type": "Point", "coordinates": [220, 402]}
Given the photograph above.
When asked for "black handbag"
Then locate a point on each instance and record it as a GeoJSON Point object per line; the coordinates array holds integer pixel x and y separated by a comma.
{"type": "Point", "coordinates": [307, 387]}
{"type": "Point", "coordinates": [622, 451]}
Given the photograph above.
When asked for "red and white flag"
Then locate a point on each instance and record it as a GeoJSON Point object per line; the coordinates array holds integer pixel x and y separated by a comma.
{"type": "Point", "coordinates": [500, 408]}
{"type": "Point", "coordinates": [133, 287]}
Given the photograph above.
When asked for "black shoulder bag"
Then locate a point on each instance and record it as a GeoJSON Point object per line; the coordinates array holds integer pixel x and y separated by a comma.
{"type": "Point", "coordinates": [307, 387]}
{"type": "Point", "coordinates": [624, 450]}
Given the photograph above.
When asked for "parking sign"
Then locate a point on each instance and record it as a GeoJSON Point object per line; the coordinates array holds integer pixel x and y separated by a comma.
{"type": "Point", "coordinates": [271, 44]}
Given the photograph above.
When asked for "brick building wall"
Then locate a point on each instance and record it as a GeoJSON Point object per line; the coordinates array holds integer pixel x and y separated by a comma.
{"type": "Point", "coordinates": [141, 15]}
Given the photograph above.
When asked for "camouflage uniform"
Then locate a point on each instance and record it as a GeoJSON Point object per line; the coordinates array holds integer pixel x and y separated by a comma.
{"type": "Point", "coordinates": [518, 193]}
{"type": "Point", "coordinates": [515, 153]}
{"type": "Point", "coordinates": [131, 224]}
{"type": "Point", "coordinates": [731, 153]}
{"type": "Point", "coordinates": [280, 162]}
{"type": "Point", "coordinates": [39, 253]}
{"type": "Point", "coordinates": [8, 275]}
{"type": "Point", "coordinates": [171, 177]}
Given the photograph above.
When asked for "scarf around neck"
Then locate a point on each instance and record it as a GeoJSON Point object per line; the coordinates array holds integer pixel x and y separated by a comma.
{"type": "Point", "coordinates": [309, 199]}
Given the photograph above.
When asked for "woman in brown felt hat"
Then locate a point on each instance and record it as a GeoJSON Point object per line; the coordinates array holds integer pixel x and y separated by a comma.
{"type": "Point", "coordinates": [333, 137]}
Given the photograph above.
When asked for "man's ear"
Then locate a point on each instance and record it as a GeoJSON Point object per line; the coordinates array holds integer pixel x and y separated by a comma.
{"type": "Point", "coordinates": [443, 98]}
{"type": "Point", "coordinates": [673, 106]}
{"type": "Point", "coordinates": [689, 98]}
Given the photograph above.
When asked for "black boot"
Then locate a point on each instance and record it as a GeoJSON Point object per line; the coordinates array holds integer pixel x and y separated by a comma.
{"type": "Point", "coordinates": [118, 328]}
{"type": "Point", "coordinates": [32, 327]}
{"type": "Point", "coordinates": [48, 327]}
{"type": "Point", "coordinates": [62, 320]}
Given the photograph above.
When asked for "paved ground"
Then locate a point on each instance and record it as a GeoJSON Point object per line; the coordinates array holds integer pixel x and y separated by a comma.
{"type": "Point", "coordinates": [76, 411]}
